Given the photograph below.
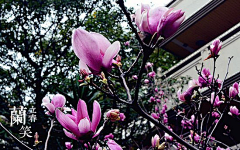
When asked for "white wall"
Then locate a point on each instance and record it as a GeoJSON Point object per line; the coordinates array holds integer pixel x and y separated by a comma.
{"type": "Point", "coordinates": [189, 6]}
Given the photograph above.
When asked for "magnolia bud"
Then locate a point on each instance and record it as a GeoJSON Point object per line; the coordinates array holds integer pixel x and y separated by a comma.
{"type": "Point", "coordinates": [113, 115]}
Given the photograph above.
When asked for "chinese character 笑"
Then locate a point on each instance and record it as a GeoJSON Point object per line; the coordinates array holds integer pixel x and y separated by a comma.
{"type": "Point", "coordinates": [25, 131]}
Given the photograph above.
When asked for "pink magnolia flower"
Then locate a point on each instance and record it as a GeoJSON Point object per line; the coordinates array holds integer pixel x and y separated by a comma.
{"type": "Point", "coordinates": [79, 123]}
{"type": "Point", "coordinates": [146, 81]}
{"type": "Point", "coordinates": [219, 148]}
{"type": "Point", "coordinates": [215, 114]}
{"type": "Point", "coordinates": [122, 116]}
{"type": "Point", "coordinates": [234, 90]}
{"type": "Point", "coordinates": [180, 147]}
{"type": "Point", "coordinates": [113, 145]}
{"type": "Point", "coordinates": [127, 43]}
{"type": "Point", "coordinates": [109, 136]}
{"type": "Point", "coordinates": [165, 119]}
{"type": "Point", "coordinates": [98, 147]}
{"type": "Point", "coordinates": [196, 136]}
{"type": "Point", "coordinates": [151, 74]}
{"type": "Point", "coordinates": [203, 82]}
{"type": "Point", "coordinates": [94, 50]}
{"type": "Point", "coordinates": [185, 96]}
{"type": "Point", "coordinates": [160, 20]}
{"type": "Point", "coordinates": [135, 77]}
{"type": "Point", "coordinates": [233, 111]}
{"type": "Point", "coordinates": [155, 115]}
{"type": "Point", "coordinates": [206, 78]}
{"type": "Point", "coordinates": [219, 83]}
{"type": "Point", "coordinates": [58, 101]}
{"type": "Point", "coordinates": [186, 124]}
{"type": "Point", "coordinates": [193, 83]}
{"type": "Point", "coordinates": [168, 137]}
{"type": "Point", "coordinates": [115, 115]}
{"type": "Point", "coordinates": [193, 119]}
{"type": "Point", "coordinates": [155, 141]}
{"type": "Point", "coordinates": [68, 145]}
{"type": "Point", "coordinates": [165, 106]}
{"type": "Point", "coordinates": [206, 73]}
{"type": "Point", "coordinates": [152, 99]}
{"type": "Point", "coordinates": [215, 48]}
{"type": "Point", "coordinates": [217, 102]}
{"type": "Point", "coordinates": [161, 93]}
{"type": "Point", "coordinates": [148, 65]}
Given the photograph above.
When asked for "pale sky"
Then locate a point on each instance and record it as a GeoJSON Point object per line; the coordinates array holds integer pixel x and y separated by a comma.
{"type": "Point", "coordinates": [137, 3]}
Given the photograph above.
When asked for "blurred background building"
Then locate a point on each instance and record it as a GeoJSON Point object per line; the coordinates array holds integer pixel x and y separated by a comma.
{"type": "Point", "coordinates": [205, 21]}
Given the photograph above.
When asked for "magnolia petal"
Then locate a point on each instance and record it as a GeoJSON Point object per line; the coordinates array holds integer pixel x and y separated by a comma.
{"type": "Point", "coordinates": [236, 86]}
{"type": "Point", "coordinates": [102, 42]}
{"type": "Point", "coordinates": [144, 7]}
{"type": "Point", "coordinates": [232, 92]}
{"type": "Point", "coordinates": [138, 17]}
{"type": "Point", "coordinates": [219, 47]}
{"type": "Point", "coordinates": [173, 16]}
{"type": "Point", "coordinates": [144, 26]}
{"type": "Point", "coordinates": [96, 116]}
{"type": "Point", "coordinates": [58, 100]}
{"type": "Point", "coordinates": [212, 97]}
{"type": "Point", "coordinates": [84, 126]}
{"type": "Point", "coordinates": [86, 48]}
{"type": "Point", "coordinates": [172, 22]}
{"type": "Point", "coordinates": [74, 112]}
{"type": "Point", "coordinates": [179, 94]}
{"type": "Point", "coordinates": [113, 145]}
{"type": "Point", "coordinates": [110, 53]}
{"type": "Point", "coordinates": [50, 107]}
{"type": "Point", "coordinates": [72, 117]}
{"type": "Point", "coordinates": [45, 100]}
{"type": "Point", "coordinates": [70, 135]}
{"type": "Point", "coordinates": [82, 111]}
{"type": "Point", "coordinates": [154, 13]}
{"type": "Point", "coordinates": [83, 66]}
{"type": "Point", "coordinates": [67, 123]}
{"type": "Point", "coordinates": [98, 132]}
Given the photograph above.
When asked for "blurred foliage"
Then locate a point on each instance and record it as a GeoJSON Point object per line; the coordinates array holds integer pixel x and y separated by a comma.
{"type": "Point", "coordinates": [37, 59]}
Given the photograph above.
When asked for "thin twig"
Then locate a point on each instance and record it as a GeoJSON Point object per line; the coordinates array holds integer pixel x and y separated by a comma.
{"type": "Point", "coordinates": [134, 63]}
{"type": "Point", "coordinates": [100, 89]}
{"type": "Point", "coordinates": [14, 137]}
{"type": "Point", "coordinates": [219, 142]}
{"type": "Point", "coordinates": [125, 85]}
{"type": "Point", "coordinates": [114, 76]}
{"type": "Point", "coordinates": [108, 94]}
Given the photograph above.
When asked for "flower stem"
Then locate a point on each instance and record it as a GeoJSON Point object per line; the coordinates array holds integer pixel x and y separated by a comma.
{"type": "Point", "coordinates": [49, 132]}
